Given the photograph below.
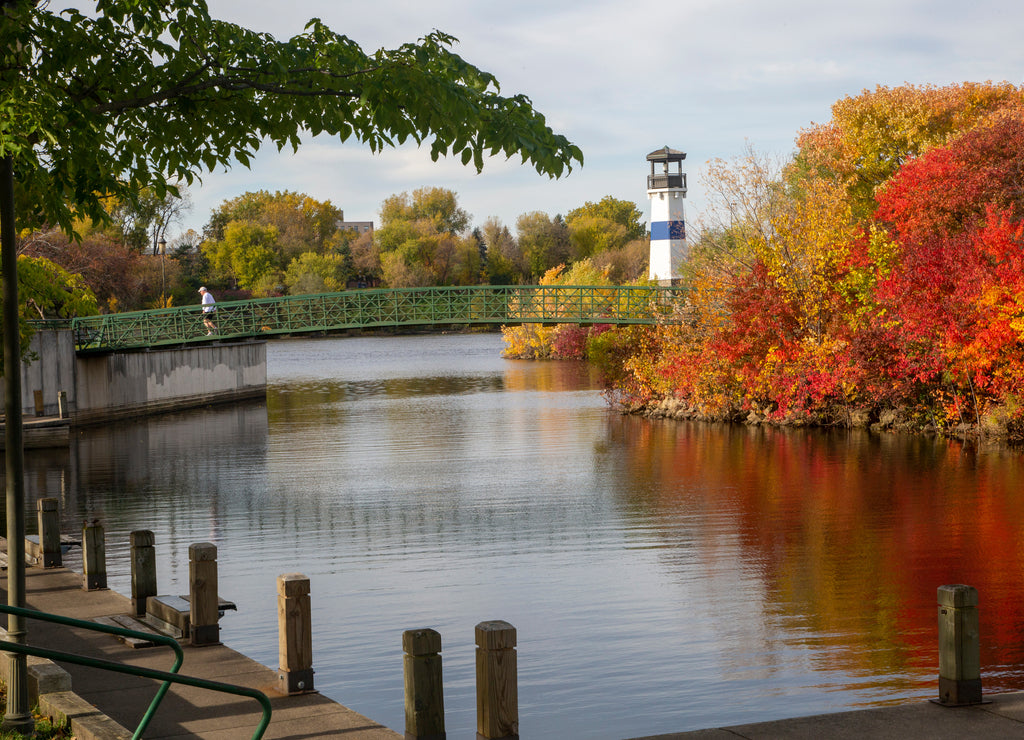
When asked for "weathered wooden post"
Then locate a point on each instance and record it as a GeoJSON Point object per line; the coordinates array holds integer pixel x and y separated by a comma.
{"type": "Point", "coordinates": [204, 604]}
{"type": "Point", "coordinates": [424, 696]}
{"type": "Point", "coordinates": [294, 635]}
{"type": "Point", "coordinates": [497, 693]}
{"type": "Point", "coordinates": [143, 555]}
{"type": "Point", "coordinates": [959, 646]}
{"type": "Point", "coordinates": [48, 514]}
{"type": "Point", "coordinates": [62, 404]}
{"type": "Point", "coordinates": [94, 556]}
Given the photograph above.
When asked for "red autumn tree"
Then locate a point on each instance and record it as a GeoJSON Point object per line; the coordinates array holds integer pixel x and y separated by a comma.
{"type": "Point", "coordinates": [955, 215]}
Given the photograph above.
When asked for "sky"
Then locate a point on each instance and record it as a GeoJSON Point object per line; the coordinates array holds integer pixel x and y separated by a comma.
{"type": "Point", "coordinates": [619, 80]}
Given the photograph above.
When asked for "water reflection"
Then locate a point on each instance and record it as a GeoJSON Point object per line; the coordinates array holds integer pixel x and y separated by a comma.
{"type": "Point", "coordinates": [846, 536]}
{"type": "Point", "coordinates": [649, 566]}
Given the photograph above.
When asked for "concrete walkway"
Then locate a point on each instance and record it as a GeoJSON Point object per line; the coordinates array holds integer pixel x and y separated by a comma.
{"type": "Point", "coordinates": [186, 711]}
{"type": "Point", "coordinates": [1002, 719]}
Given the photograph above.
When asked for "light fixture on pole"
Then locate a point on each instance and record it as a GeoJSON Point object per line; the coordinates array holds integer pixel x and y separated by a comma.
{"type": "Point", "coordinates": [162, 245]}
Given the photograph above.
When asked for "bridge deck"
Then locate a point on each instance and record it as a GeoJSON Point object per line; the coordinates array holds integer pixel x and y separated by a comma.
{"type": "Point", "coordinates": [365, 309]}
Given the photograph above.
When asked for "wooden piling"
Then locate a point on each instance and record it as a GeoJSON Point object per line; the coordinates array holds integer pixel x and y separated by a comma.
{"type": "Point", "coordinates": [48, 511]}
{"type": "Point", "coordinates": [424, 696]}
{"type": "Point", "coordinates": [204, 606]}
{"type": "Point", "coordinates": [295, 635]}
{"type": "Point", "coordinates": [497, 693]}
{"type": "Point", "coordinates": [143, 554]}
{"type": "Point", "coordinates": [94, 556]}
{"type": "Point", "coordinates": [959, 646]}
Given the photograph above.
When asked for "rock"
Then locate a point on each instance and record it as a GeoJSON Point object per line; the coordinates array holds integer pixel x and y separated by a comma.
{"type": "Point", "coordinates": [860, 418]}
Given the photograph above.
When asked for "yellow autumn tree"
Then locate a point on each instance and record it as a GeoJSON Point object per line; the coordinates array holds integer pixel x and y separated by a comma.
{"type": "Point", "coordinates": [812, 233]}
{"type": "Point", "coordinates": [797, 231]}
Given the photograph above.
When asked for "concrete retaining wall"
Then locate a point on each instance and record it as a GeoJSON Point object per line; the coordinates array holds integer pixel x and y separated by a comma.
{"type": "Point", "coordinates": [121, 384]}
{"type": "Point", "coordinates": [132, 383]}
{"type": "Point", "coordinates": [52, 371]}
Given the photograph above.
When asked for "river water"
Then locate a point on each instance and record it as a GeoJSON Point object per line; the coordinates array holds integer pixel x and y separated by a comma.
{"type": "Point", "coordinates": [662, 576]}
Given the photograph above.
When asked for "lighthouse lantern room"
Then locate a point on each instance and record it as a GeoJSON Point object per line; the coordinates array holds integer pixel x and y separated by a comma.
{"type": "Point", "coordinates": [667, 190]}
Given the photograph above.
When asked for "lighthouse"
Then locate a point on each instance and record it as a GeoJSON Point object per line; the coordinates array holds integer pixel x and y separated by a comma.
{"type": "Point", "coordinates": [667, 191]}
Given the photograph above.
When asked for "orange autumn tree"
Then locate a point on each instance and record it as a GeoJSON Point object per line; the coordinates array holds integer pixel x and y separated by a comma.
{"type": "Point", "coordinates": [871, 135]}
{"type": "Point", "coordinates": [766, 325]}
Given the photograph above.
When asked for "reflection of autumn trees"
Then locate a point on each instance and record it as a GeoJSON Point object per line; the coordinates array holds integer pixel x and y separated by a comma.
{"type": "Point", "coordinates": [548, 376]}
{"type": "Point", "coordinates": [851, 534]}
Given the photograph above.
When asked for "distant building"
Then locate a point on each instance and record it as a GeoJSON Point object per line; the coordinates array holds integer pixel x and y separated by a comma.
{"type": "Point", "coordinates": [360, 227]}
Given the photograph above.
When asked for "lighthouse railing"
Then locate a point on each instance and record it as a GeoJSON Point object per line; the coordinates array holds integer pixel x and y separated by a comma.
{"type": "Point", "coordinates": [665, 181]}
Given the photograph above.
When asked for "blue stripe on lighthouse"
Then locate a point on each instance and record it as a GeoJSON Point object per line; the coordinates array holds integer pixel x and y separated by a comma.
{"type": "Point", "coordinates": [668, 230]}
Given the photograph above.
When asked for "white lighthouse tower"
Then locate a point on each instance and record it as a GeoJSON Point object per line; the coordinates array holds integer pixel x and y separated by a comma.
{"type": "Point", "coordinates": [667, 190]}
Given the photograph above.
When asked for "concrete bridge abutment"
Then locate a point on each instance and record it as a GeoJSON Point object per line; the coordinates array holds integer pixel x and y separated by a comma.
{"type": "Point", "coordinates": [95, 388]}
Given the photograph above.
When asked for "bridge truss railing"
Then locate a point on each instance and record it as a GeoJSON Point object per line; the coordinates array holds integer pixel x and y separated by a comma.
{"type": "Point", "coordinates": [378, 308]}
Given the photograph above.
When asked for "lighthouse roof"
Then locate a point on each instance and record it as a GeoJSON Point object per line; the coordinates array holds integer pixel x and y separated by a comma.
{"type": "Point", "coordinates": [666, 155]}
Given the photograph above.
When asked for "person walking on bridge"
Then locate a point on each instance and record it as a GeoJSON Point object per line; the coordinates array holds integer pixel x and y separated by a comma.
{"type": "Point", "coordinates": [209, 308]}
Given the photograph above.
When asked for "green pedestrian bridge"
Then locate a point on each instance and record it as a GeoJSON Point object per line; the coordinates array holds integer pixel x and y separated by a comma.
{"type": "Point", "coordinates": [380, 308]}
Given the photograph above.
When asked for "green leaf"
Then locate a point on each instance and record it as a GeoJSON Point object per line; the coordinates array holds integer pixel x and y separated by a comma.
{"type": "Point", "coordinates": [144, 89]}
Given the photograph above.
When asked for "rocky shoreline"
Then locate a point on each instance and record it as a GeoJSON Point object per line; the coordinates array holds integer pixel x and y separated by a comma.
{"type": "Point", "coordinates": [994, 426]}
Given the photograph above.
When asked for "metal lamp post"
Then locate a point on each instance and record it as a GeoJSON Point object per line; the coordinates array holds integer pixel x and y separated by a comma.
{"type": "Point", "coordinates": [162, 245]}
{"type": "Point", "coordinates": [18, 715]}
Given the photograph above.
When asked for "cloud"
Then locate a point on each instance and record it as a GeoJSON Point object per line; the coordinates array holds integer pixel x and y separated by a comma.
{"type": "Point", "coordinates": [621, 79]}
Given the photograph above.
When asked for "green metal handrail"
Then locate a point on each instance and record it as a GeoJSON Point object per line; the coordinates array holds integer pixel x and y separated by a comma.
{"type": "Point", "coordinates": [179, 655]}
{"type": "Point", "coordinates": [167, 677]}
{"type": "Point", "coordinates": [379, 308]}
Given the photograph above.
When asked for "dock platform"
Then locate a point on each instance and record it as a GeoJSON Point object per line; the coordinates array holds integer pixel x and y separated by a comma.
{"type": "Point", "coordinates": [186, 712]}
